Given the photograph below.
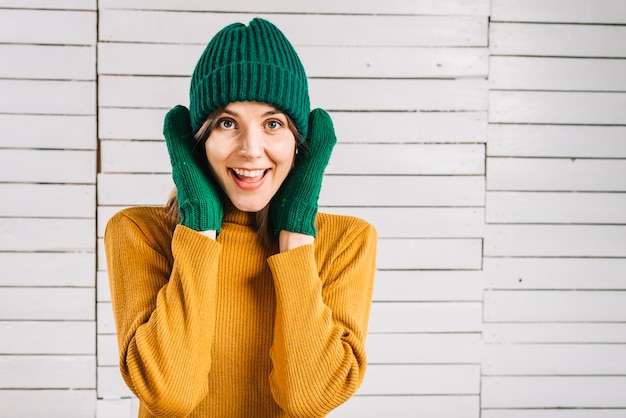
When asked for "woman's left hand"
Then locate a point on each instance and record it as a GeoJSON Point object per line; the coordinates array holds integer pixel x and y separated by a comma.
{"type": "Point", "coordinates": [294, 207]}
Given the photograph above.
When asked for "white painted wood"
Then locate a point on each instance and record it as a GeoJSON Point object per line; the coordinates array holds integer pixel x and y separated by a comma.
{"type": "Point", "coordinates": [420, 222]}
{"type": "Point", "coordinates": [553, 413]}
{"type": "Point", "coordinates": [103, 292]}
{"type": "Point", "coordinates": [432, 254]}
{"type": "Point", "coordinates": [75, 269]}
{"type": "Point", "coordinates": [48, 372]}
{"type": "Point", "coordinates": [409, 317]}
{"type": "Point", "coordinates": [556, 174]}
{"type": "Point", "coordinates": [424, 348]}
{"type": "Point", "coordinates": [555, 241]}
{"type": "Point", "coordinates": [450, 406]}
{"type": "Point", "coordinates": [48, 97]}
{"type": "Point", "coordinates": [554, 306]}
{"type": "Point", "coordinates": [47, 166]}
{"type": "Point", "coordinates": [542, 73]}
{"type": "Point", "coordinates": [546, 207]}
{"type": "Point", "coordinates": [47, 337]}
{"type": "Point", "coordinates": [134, 157]}
{"type": "Point", "coordinates": [107, 350]}
{"type": "Point", "coordinates": [24, 234]}
{"type": "Point", "coordinates": [104, 214]}
{"type": "Point", "coordinates": [557, 107]}
{"type": "Point", "coordinates": [51, 403]}
{"type": "Point", "coordinates": [46, 4]}
{"type": "Point", "coordinates": [392, 285]}
{"type": "Point", "coordinates": [574, 11]}
{"type": "Point", "coordinates": [135, 189]}
{"type": "Point", "coordinates": [106, 322]}
{"type": "Point", "coordinates": [50, 62]}
{"type": "Point", "coordinates": [48, 131]}
{"type": "Point", "coordinates": [556, 141]}
{"type": "Point", "coordinates": [553, 392]}
{"type": "Point", "coordinates": [554, 273]}
{"type": "Point", "coordinates": [557, 40]}
{"type": "Point", "coordinates": [575, 333]}
{"type": "Point", "coordinates": [353, 127]}
{"type": "Point", "coordinates": [305, 29]}
{"type": "Point", "coordinates": [421, 380]}
{"type": "Point", "coordinates": [58, 27]}
{"type": "Point", "coordinates": [48, 200]}
{"type": "Point", "coordinates": [554, 359]}
{"type": "Point", "coordinates": [333, 61]}
{"type": "Point", "coordinates": [331, 94]}
{"type": "Point", "coordinates": [111, 384]}
{"type": "Point", "coordinates": [444, 7]}
{"type": "Point", "coordinates": [114, 408]}
{"type": "Point", "coordinates": [47, 304]}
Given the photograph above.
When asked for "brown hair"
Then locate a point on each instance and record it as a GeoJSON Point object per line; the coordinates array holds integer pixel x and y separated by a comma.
{"type": "Point", "coordinates": [262, 217]}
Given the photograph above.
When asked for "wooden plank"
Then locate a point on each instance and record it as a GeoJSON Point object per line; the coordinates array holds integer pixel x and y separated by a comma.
{"type": "Point", "coordinates": [423, 348]}
{"type": "Point", "coordinates": [58, 27]}
{"type": "Point", "coordinates": [331, 94]}
{"type": "Point", "coordinates": [556, 141]}
{"type": "Point", "coordinates": [556, 174]}
{"type": "Point", "coordinates": [47, 337]}
{"type": "Point", "coordinates": [577, 333]}
{"type": "Point", "coordinates": [138, 189]}
{"type": "Point", "coordinates": [554, 306]}
{"type": "Point", "coordinates": [46, 4]}
{"type": "Point", "coordinates": [546, 207]}
{"type": "Point", "coordinates": [420, 222]}
{"type": "Point", "coordinates": [48, 200]}
{"type": "Point", "coordinates": [542, 73]}
{"type": "Point", "coordinates": [103, 292]}
{"type": "Point", "coordinates": [422, 159]}
{"type": "Point", "coordinates": [106, 321]}
{"type": "Point", "coordinates": [443, 7]}
{"type": "Point", "coordinates": [47, 269]}
{"type": "Point", "coordinates": [553, 413]}
{"type": "Point", "coordinates": [421, 380]}
{"type": "Point", "coordinates": [319, 61]}
{"type": "Point", "coordinates": [554, 273]}
{"type": "Point", "coordinates": [47, 304]}
{"type": "Point", "coordinates": [48, 131]}
{"type": "Point", "coordinates": [410, 317]}
{"type": "Point", "coordinates": [574, 11]}
{"type": "Point", "coordinates": [107, 350]}
{"type": "Point", "coordinates": [48, 372]}
{"type": "Point", "coordinates": [48, 97]}
{"type": "Point", "coordinates": [431, 254]}
{"type": "Point", "coordinates": [449, 406]}
{"type": "Point", "coordinates": [555, 241]}
{"type": "Point", "coordinates": [327, 30]}
{"type": "Point", "coordinates": [557, 107]}
{"type": "Point", "coordinates": [111, 384]}
{"type": "Point", "coordinates": [53, 166]}
{"type": "Point", "coordinates": [427, 286]}
{"type": "Point", "coordinates": [47, 235]}
{"type": "Point", "coordinates": [554, 359]}
{"type": "Point", "coordinates": [353, 127]}
{"type": "Point", "coordinates": [51, 403]}
{"type": "Point", "coordinates": [553, 392]}
{"type": "Point", "coordinates": [114, 408]}
{"type": "Point", "coordinates": [50, 62]}
{"type": "Point", "coordinates": [534, 39]}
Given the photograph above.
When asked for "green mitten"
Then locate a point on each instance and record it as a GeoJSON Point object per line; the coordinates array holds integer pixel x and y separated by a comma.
{"type": "Point", "coordinates": [199, 202]}
{"type": "Point", "coordinates": [294, 207]}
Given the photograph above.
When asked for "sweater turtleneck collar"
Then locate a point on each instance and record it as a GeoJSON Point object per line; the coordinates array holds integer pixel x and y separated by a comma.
{"type": "Point", "coordinates": [236, 216]}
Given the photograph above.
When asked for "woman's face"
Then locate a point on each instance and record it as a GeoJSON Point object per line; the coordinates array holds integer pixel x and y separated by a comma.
{"type": "Point", "coordinates": [250, 150]}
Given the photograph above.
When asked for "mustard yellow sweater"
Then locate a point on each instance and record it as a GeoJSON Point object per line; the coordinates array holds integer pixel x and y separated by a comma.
{"type": "Point", "coordinates": [231, 328]}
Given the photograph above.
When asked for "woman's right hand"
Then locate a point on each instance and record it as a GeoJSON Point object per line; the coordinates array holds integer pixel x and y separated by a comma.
{"type": "Point", "coordinates": [199, 201]}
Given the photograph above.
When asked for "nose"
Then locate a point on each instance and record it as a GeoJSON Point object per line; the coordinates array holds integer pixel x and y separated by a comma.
{"type": "Point", "coordinates": [251, 144]}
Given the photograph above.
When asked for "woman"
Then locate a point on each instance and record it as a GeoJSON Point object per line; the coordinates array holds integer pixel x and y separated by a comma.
{"type": "Point", "coordinates": [238, 299]}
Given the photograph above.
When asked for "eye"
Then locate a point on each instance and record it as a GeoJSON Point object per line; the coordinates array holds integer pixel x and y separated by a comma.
{"type": "Point", "coordinates": [226, 123]}
{"type": "Point", "coordinates": [274, 124]}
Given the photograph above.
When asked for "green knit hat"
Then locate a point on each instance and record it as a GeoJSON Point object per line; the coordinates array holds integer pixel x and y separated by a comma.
{"type": "Point", "coordinates": [250, 63]}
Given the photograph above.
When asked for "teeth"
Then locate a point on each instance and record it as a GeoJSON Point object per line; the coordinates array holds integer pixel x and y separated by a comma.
{"type": "Point", "coordinates": [248, 173]}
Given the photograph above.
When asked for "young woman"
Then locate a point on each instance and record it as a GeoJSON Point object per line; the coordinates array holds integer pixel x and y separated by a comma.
{"type": "Point", "coordinates": [238, 299]}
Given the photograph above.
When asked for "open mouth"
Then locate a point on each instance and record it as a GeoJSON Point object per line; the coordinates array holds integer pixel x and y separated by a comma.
{"type": "Point", "coordinates": [249, 177]}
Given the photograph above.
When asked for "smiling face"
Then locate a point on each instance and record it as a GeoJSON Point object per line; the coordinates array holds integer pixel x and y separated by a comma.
{"type": "Point", "coordinates": [250, 150]}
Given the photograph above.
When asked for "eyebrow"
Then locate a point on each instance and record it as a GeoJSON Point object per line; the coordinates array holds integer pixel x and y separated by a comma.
{"type": "Point", "coordinates": [268, 113]}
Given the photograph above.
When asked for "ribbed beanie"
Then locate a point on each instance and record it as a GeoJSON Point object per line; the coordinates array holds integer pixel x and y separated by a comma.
{"type": "Point", "coordinates": [250, 63]}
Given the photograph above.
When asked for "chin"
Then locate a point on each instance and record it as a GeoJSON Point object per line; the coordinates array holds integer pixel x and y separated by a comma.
{"type": "Point", "coordinates": [249, 206]}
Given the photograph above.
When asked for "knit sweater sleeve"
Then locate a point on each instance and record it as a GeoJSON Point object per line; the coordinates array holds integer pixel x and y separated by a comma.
{"type": "Point", "coordinates": [322, 310]}
{"type": "Point", "coordinates": [164, 311]}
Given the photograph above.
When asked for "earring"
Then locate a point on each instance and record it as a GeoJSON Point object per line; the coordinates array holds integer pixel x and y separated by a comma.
{"type": "Point", "coordinates": [296, 150]}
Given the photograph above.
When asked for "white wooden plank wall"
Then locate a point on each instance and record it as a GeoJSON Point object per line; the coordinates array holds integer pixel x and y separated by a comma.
{"type": "Point", "coordinates": [47, 212]}
{"type": "Point", "coordinates": [555, 242]}
{"type": "Point", "coordinates": [486, 141]}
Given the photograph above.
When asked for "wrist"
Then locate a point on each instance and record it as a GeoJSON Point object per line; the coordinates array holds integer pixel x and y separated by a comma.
{"type": "Point", "coordinates": [288, 240]}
